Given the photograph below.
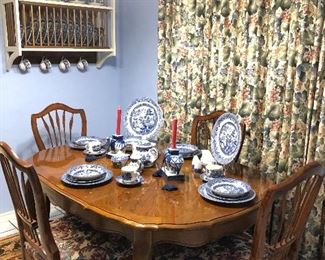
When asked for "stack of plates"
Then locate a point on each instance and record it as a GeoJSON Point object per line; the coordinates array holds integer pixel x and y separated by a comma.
{"type": "Point", "coordinates": [86, 175]}
{"type": "Point", "coordinates": [81, 142]}
{"type": "Point", "coordinates": [227, 190]}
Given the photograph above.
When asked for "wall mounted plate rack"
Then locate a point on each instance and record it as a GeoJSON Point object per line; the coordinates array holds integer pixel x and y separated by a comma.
{"type": "Point", "coordinates": [75, 27]}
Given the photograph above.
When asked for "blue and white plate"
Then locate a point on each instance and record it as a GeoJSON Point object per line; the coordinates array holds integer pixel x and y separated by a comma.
{"type": "Point", "coordinates": [143, 118]}
{"type": "Point", "coordinates": [226, 138]}
{"type": "Point", "coordinates": [188, 150]}
{"type": "Point", "coordinates": [81, 141]}
{"type": "Point", "coordinates": [206, 193]}
{"type": "Point", "coordinates": [227, 187]}
{"type": "Point", "coordinates": [86, 175]}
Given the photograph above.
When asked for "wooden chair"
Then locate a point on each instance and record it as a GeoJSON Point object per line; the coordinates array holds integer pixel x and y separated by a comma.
{"type": "Point", "coordinates": [201, 130]}
{"type": "Point", "coordinates": [294, 198]}
{"type": "Point", "coordinates": [58, 120]}
{"type": "Point", "coordinates": [65, 237]}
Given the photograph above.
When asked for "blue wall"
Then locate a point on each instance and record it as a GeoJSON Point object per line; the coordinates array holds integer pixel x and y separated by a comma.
{"type": "Point", "coordinates": [138, 22]}
{"type": "Point", "coordinates": [132, 74]}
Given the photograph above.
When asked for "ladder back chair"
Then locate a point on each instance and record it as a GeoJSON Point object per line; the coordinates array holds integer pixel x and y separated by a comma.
{"type": "Point", "coordinates": [58, 125]}
{"type": "Point", "coordinates": [201, 130]}
{"type": "Point", "coordinates": [67, 237]}
{"type": "Point", "coordinates": [294, 198]}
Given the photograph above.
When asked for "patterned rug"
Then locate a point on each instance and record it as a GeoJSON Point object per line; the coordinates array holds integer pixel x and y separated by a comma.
{"type": "Point", "coordinates": [10, 248]}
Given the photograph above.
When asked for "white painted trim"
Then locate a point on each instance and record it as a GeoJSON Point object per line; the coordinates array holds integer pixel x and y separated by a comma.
{"type": "Point", "coordinates": [6, 216]}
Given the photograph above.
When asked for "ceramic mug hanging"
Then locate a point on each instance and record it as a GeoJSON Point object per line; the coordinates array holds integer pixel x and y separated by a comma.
{"type": "Point", "coordinates": [24, 65]}
{"type": "Point", "coordinates": [64, 65]}
{"type": "Point", "coordinates": [45, 65]}
{"type": "Point", "coordinates": [82, 65]}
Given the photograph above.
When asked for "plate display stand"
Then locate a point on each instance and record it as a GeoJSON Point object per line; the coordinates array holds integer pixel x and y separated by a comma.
{"type": "Point", "coordinates": [172, 176]}
{"type": "Point", "coordinates": [58, 28]}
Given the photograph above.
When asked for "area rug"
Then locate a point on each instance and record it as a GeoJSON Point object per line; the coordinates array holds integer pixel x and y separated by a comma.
{"type": "Point", "coordinates": [10, 248]}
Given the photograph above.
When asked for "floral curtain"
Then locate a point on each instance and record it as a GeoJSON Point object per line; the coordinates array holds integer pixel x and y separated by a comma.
{"type": "Point", "coordinates": [263, 60]}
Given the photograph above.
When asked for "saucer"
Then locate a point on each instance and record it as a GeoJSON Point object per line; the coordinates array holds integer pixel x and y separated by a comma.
{"type": "Point", "coordinates": [136, 181]}
{"type": "Point", "coordinates": [206, 178]}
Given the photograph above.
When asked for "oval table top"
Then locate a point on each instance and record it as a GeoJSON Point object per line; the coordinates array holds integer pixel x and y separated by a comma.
{"type": "Point", "coordinates": [147, 205]}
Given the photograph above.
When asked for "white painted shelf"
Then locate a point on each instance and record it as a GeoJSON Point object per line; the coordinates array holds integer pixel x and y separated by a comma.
{"type": "Point", "coordinates": [57, 27]}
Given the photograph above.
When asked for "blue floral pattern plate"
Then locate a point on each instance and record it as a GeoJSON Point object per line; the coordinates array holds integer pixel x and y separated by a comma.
{"type": "Point", "coordinates": [206, 193]}
{"type": "Point", "coordinates": [227, 187]}
{"type": "Point", "coordinates": [225, 138]}
{"type": "Point", "coordinates": [143, 118]}
{"type": "Point", "coordinates": [81, 141]}
{"type": "Point", "coordinates": [86, 175]}
{"type": "Point", "coordinates": [188, 150]}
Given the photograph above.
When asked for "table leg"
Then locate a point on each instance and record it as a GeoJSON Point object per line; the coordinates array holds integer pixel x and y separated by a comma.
{"type": "Point", "coordinates": [142, 245]}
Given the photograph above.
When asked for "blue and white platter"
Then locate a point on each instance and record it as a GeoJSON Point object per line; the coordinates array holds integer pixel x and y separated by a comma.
{"type": "Point", "coordinates": [188, 150]}
{"type": "Point", "coordinates": [143, 118]}
{"type": "Point", "coordinates": [81, 141]}
{"type": "Point", "coordinates": [99, 152]}
{"type": "Point", "coordinates": [226, 138]}
{"type": "Point", "coordinates": [228, 187]}
{"type": "Point", "coordinates": [86, 175]}
{"type": "Point", "coordinates": [206, 193]}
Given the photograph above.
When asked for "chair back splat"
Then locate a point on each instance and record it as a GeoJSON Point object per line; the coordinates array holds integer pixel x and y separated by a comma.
{"type": "Point", "coordinates": [292, 201]}
{"type": "Point", "coordinates": [29, 203]}
{"type": "Point", "coordinates": [58, 121]}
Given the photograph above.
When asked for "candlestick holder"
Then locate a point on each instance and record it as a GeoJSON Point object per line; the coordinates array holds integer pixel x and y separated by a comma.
{"type": "Point", "coordinates": [117, 143]}
{"type": "Point", "coordinates": [173, 163]}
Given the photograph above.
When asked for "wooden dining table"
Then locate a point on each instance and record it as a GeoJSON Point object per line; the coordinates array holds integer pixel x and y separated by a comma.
{"type": "Point", "coordinates": [146, 214]}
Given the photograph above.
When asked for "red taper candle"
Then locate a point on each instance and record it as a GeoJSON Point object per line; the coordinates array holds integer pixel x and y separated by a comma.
{"type": "Point", "coordinates": [118, 121]}
{"type": "Point", "coordinates": [174, 133]}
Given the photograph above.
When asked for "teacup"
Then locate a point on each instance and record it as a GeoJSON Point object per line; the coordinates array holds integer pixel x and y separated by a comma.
{"type": "Point", "coordinates": [24, 65]}
{"type": "Point", "coordinates": [82, 65]}
{"type": "Point", "coordinates": [129, 173]}
{"type": "Point", "coordinates": [64, 65]}
{"type": "Point", "coordinates": [45, 65]}
{"type": "Point", "coordinates": [214, 170]}
{"type": "Point", "coordinates": [93, 146]}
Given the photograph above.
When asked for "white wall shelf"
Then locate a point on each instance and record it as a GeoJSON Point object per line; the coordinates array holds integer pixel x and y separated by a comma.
{"type": "Point", "coordinates": [47, 27]}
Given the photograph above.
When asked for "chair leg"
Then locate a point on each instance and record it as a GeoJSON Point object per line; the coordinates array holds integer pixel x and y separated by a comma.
{"type": "Point", "coordinates": [321, 235]}
{"type": "Point", "coordinates": [48, 205]}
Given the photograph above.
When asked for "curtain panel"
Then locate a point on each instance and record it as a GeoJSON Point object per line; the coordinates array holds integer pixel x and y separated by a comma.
{"type": "Point", "coordinates": [263, 60]}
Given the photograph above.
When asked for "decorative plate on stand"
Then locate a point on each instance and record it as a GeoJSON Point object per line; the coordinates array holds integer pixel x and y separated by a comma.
{"type": "Point", "coordinates": [143, 119]}
{"type": "Point", "coordinates": [225, 138]}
